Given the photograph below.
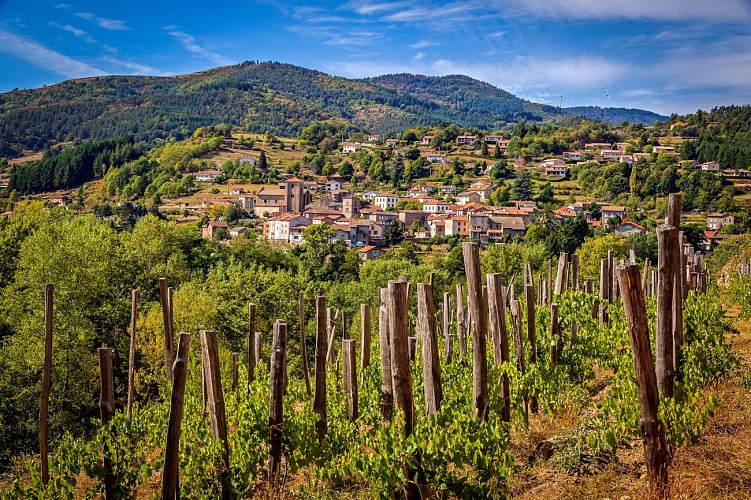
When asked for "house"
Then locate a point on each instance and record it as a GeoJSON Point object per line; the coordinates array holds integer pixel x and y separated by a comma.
{"type": "Point", "coordinates": [612, 212]}
{"type": "Point", "coordinates": [280, 227]}
{"type": "Point", "coordinates": [383, 217]}
{"type": "Point", "coordinates": [369, 252]}
{"type": "Point", "coordinates": [437, 227]}
{"type": "Point", "coordinates": [375, 229]}
{"type": "Point", "coordinates": [374, 138]}
{"type": "Point", "coordinates": [409, 217]}
{"type": "Point", "coordinates": [385, 200]}
{"type": "Point", "coordinates": [249, 160]}
{"type": "Point", "coordinates": [710, 166]}
{"type": "Point", "coordinates": [557, 171]}
{"type": "Point", "coordinates": [368, 195]}
{"type": "Point", "coordinates": [668, 149]}
{"type": "Point", "coordinates": [639, 156]}
{"type": "Point", "coordinates": [237, 191]}
{"type": "Point", "coordinates": [457, 225]}
{"type": "Point", "coordinates": [392, 142]}
{"type": "Point", "coordinates": [492, 139]}
{"type": "Point", "coordinates": [629, 227]}
{"type": "Point", "coordinates": [467, 197]}
{"type": "Point", "coordinates": [214, 229]}
{"type": "Point", "coordinates": [59, 201]}
{"type": "Point", "coordinates": [436, 158]}
{"type": "Point", "coordinates": [564, 213]}
{"type": "Point", "coordinates": [467, 140]}
{"type": "Point", "coordinates": [351, 147]}
{"type": "Point", "coordinates": [427, 139]}
{"type": "Point", "coordinates": [245, 202]}
{"type": "Point", "coordinates": [208, 175]}
{"type": "Point", "coordinates": [573, 155]}
{"type": "Point", "coordinates": [610, 154]}
{"type": "Point", "coordinates": [621, 146]}
{"type": "Point", "coordinates": [553, 162]}
{"type": "Point", "coordinates": [237, 231]}
{"type": "Point", "coordinates": [435, 206]}
{"type": "Point", "coordinates": [270, 201]}
{"type": "Point", "coordinates": [716, 221]}
{"type": "Point", "coordinates": [484, 189]}
{"type": "Point", "coordinates": [333, 185]}
{"type": "Point", "coordinates": [522, 204]}
{"type": "Point", "coordinates": [627, 159]}
{"type": "Point", "coordinates": [446, 189]}
{"type": "Point", "coordinates": [500, 226]}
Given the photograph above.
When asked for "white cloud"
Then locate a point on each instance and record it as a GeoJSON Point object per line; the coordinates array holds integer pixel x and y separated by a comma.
{"type": "Point", "coordinates": [365, 7]}
{"type": "Point", "coordinates": [103, 22]}
{"type": "Point", "coordinates": [79, 33]}
{"type": "Point", "coordinates": [421, 44]}
{"type": "Point", "coordinates": [191, 45]}
{"type": "Point", "coordinates": [33, 52]}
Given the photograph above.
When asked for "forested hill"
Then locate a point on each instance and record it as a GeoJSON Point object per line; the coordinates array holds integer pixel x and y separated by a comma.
{"type": "Point", "coordinates": [617, 115]}
{"type": "Point", "coordinates": [275, 97]}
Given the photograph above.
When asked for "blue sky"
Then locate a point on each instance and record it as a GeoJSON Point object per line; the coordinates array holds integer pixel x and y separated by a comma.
{"type": "Point", "coordinates": [662, 55]}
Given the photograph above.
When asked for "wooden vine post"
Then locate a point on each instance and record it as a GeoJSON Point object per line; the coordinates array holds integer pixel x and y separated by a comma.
{"type": "Point", "coordinates": [132, 351]}
{"type": "Point", "coordinates": [461, 330]}
{"type": "Point", "coordinates": [656, 451]}
{"type": "Point", "coordinates": [387, 384]}
{"type": "Point", "coordinates": [446, 320]}
{"type": "Point", "coordinates": [479, 318]}
{"type": "Point", "coordinates": [276, 399]}
{"type": "Point", "coordinates": [604, 289]}
{"type": "Point", "coordinates": [319, 397]}
{"type": "Point", "coordinates": [667, 239]}
{"type": "Point", "coordinates": [555, 334]}
{"type": "Point", "coordinates": [431, 364]}
{"type": "Point", "coordinates": [44, 400]}
{"type": "Point", "coordinates": [303, 344]}
{"type": "Point", "coordinates": [106, 411]}
{"type": "Point", "coordinates": [167, 318]}
{"type": "Point", "coordinates": [497, 306]}
{"type": "Point", "coordinates": [170, 484]}
{"type": "Point", "coordinates": [679, 269]}
{"type": "Point", "coordinates": [529, 296]}
{"type": "Point", "coordinates": [365, 333]}
{"type": "Point", "coordinates": [349, 355]}
{"type": "Point", "coordinates": [401, 373]}
{"type": "Point", "coordinates": [521, 364]}
{"type": "Point", "coordinates": [215, 397]}
{"type": "Point", "coordinates": [252, 358]}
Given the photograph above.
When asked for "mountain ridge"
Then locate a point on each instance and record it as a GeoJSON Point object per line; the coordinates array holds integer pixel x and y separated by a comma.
{"type": "Point", "coordinates": [257, 96]}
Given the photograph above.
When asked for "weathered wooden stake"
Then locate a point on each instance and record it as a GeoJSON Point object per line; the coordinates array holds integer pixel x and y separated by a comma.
{"type": "Point", "coordinates": [364, 339]}
{"type": "Point", "coordinates": [387, 384]}
{"type": "Point", "coordinates": [107, 410]}
{"type": "Point", "coordinates": [167, 317]}
{"type": "Point", "coordinates": [521, 364]}
{"type": "Point", "coordinates": [479, 317]}
{"type": "Point", "coordinates": [319, 398]}
{"type": "Point", "coordinates": [276, 399]}
{"type": "Point", "coordinates": [656, 451]}
{"type": "Point", "coordinates": [575, 271]}
{"type": "Point", "coordinates": [604, 289]}
{"type": "Point", "coordinates": [170, 472]}
{"type": "Point", "coordinates": [44, 400]}
{"type": "Point", "coordinates": [431, 364]}
{"type": "Point", "coordinates": [555, 334]}
{"type": "Point", "coordinates": [461, 330]}
{"type": "Point", "coordinates": [560, 277]}
{"type": "Point", "coordinates": [252, 359]}
{"type": "Point", "coordinates": [349, 353]}
{"type": "Point", "coordinates": [497, 306]}
{"type": "Point", "coordinates": [667, 241]}
{"type": "Point", "coordinates": [446, 320]}
{"type": "Point", "coordinates": [215, 396]}
{"type": "Point", "coordinates": [304, 344]}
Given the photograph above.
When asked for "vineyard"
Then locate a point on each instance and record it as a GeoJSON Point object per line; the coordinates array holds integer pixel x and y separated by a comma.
{"type": "Point", "coordinates": [418, 400]}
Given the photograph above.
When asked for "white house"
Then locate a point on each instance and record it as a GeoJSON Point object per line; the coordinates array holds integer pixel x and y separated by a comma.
{"type": "Point", "coordinates": [368, 195]}
{"type": "Point", "coordinates": [249, 160]}
{"type": "Point", "coordinates": [208, 175]}
{"type": "Point", "coordinates": [351, 147]}
{"type": "Point", "coordinates": [557, 171]}
{"type": "Point", "coordinates": [492, 139]}
{"type": "Point", "coordinates": [437, 159]}
{"type": "Point", "coordinates": [466, 139]}
{"type": "Point", "coordinates": [710, 166]}
{"type": "Point", "coordinates": [374, 138]}
{"type": "Point", "coordinates": [553, 162]}
{"type": "Point", "coordinates": [435, 206]}
{"type": "Point", "coordinates": [333, 185]}
{"type": "Point", "coordinates": [385, 200]}
{"type": "Point", "coordinates": [279, 227]}
{"type": "Point", "coordinates": [717, 220]}
{"type": "Point", "coordinates": [573, 155]}
{"type": "Point", "coordinates": [610, 154]}
{"type": "Point", "coordinates": [468, 197]}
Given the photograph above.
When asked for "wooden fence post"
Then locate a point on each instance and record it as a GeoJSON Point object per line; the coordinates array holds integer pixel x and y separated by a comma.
{"type": "Point", "coordinates": [349, 355]}
{"type": "Point", "coordinates": [555, 334]}
{"type": "Point", "coordinates": [529, 296]}
{"type": "Point", "coordinates": [132, 351]}
{"type": "Point", "coordinates": [319, 398]}
{"type": "Point", "coordinates": [574, 271]}
{"type": "Point", "coordinates": [549, 286]}
{"type": "Point", "coordinates": [461, 330]}
{"type": "Point", "coordinates": [667, 238]}
{"type": "Point", "coordinates": [257, 347]}
{"type": "Point", "coordinates": [276, 399]}
{"type": "Point", "coordinates": [521, 364]}
{"type": "Point", "coordinates": [333, 317]}
{"type": "Point", "coordinates": [171, 468]}
{"type": "Point", "coordinates": [252, 359]}
{"type": "Point", "coordinates": [656, 451]}
{"type": "Point", "coordinates": [304, 344]}
{"type": "Point", "coordinates": [364, 339]}
{"type": "Point", "coordinates": [107, 410]}
{"type": "Point", "coordinates": [497, 306]}
{"type": "Point", "coordinates": [431, 364]}
{"type": "Point", "coordinates": [166, 316]}
{"type": "Point", "coordinates": [215, 396]}
{"type": "Point", "coordinates": [446, 320]}
{"type": "Point", "coordinates": [560, 277]}
{"type": "Point", "coordinates": [604, 289]}
{"type": "Point", "coordinates": [44, 400]}
{"type": "Point", "coordinates": [479, 317]}
{"type": "Point", "coordinates": [387, 383]}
